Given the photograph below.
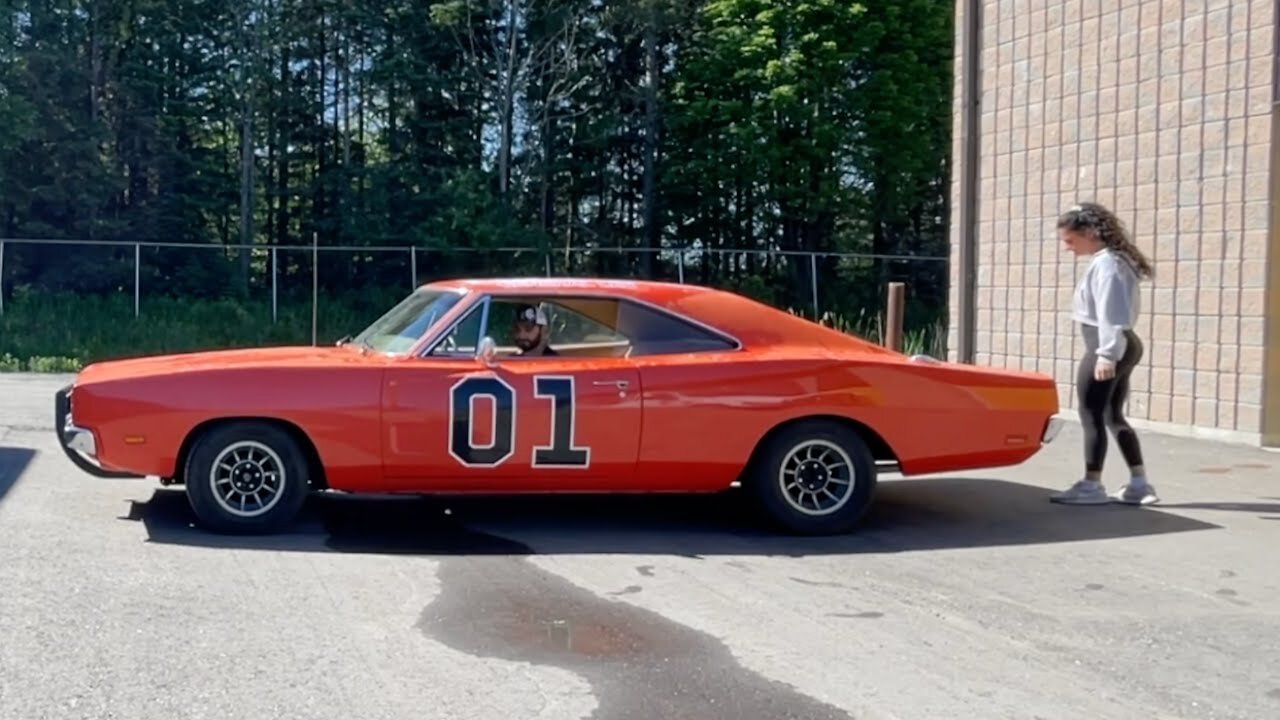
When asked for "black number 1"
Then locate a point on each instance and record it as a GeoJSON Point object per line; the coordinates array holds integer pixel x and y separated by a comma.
{"type": "Point", "coordinates": [561, 453]}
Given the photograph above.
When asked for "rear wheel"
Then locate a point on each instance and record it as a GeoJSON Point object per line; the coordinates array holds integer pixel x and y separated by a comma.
{"type": "Point", "coordinates": [816, 477]}
{"type": "Point", "coordinates": [246, 477]}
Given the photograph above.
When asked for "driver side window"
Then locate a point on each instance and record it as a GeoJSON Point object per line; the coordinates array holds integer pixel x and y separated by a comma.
{"type": "Point", "coordinates": [463, 339]}
{"type": "Point", "coordinates": [575, 326]}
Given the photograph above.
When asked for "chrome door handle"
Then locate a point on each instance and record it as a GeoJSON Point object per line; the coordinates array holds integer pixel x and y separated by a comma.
{"type": "Point", "coordinates": [620, 384]}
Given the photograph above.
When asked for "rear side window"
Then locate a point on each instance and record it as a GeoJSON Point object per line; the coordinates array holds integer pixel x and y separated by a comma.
{"type": "Point", "coordinates": [655, 333]}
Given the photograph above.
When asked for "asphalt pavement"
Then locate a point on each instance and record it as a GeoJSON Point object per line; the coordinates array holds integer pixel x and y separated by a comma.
{"type": "Point", "coordinates": [966, 596]}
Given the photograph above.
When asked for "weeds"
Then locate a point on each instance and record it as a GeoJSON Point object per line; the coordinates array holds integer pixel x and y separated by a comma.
{"type": "Point", "coordinates": [64, 333]}
{"type": "Point", "coordinates": [928, 340]}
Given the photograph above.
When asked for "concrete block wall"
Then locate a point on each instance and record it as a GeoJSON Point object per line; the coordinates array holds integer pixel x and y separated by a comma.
{"type": "Point", "coordinates": [1163, 111]}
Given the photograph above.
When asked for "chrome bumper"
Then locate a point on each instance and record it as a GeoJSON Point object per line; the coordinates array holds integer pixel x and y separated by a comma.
{"type": "Point", "coordinates": [1051, 429]}
{"type": "Point", "coordinates": [79, 440]}
{"type": "Point", "coordinates": [79, 444]}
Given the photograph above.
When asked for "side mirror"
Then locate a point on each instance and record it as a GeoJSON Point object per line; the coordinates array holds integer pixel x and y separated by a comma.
{"type": "Point", "coordinates": [487, 350]}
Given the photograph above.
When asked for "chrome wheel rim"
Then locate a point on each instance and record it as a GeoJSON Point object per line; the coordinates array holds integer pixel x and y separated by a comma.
{"type": "Point", "coordinates": [247, 479]}
{"type": "Point", "coordinates": [816, 477]}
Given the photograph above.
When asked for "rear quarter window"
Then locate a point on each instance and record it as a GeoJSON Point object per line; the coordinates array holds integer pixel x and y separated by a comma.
{"type": "Point", "coordinates": [653, 332]}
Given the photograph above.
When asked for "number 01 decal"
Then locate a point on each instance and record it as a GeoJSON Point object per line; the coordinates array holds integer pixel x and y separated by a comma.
{"type": "Point", "coordinates": [561, 453]}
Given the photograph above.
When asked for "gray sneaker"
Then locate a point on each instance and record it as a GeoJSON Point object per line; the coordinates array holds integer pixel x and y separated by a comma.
{"type": "Point", "coordinates": [1136, 494]}
{"type": "Point", "coordinates": [1083, 492]}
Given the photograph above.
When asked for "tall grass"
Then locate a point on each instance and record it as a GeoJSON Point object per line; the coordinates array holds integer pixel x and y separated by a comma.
{"type": "Point", "coordinates": [63, 333]}
{"type": "Point", "coordinates": [928, 340]}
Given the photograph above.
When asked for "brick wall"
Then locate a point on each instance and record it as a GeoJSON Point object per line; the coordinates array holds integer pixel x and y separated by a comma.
{"type": "Point", "coordinates": [1161, 110]}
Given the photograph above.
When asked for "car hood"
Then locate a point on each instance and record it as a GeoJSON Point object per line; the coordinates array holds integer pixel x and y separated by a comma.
{"type": "Point", "coordinates": [223, 360]}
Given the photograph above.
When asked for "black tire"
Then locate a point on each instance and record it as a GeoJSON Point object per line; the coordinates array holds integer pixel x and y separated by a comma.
{"type": "Point", "coordinates": [832, 442]}
{"type": "Point", "coordinates": [261, 447]}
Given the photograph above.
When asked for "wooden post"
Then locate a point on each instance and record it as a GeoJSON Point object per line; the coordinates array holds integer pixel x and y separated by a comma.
{"type": "Point", "coordinates": [894, 319]}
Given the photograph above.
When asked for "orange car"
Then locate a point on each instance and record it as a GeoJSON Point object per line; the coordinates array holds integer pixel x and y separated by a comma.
{"type": "Point", "coordinates": [648, 387]}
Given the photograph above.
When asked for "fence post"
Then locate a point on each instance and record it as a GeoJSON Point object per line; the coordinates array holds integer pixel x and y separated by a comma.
{"type": "Point", "coordinates": [894, 312]}
{"type": "Point", "coordinates": [315, 283]}
{"type": "Point", "coordinates": [813, 276]}
{"type": "Point", "coordinates": [413, 268]}
{"type": "Point", "coordinates": [275, 272]}
{"type": "Point", "coordinates": [546, 262]}
{"type": "Point", "coordinates": [680, 265]}
{"type": "Point", "coordinates": [1, 277]}
{"type": "Point", "coordinates": [137, 277]}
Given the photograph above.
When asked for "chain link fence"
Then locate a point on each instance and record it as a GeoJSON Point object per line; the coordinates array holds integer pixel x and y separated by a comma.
{"type": "Point", "coordinates": [318, 293]}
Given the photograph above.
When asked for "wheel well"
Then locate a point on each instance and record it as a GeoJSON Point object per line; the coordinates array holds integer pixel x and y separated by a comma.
{"type": "Point", "coordinates": [880, 449]}
{"type": "Point", "coordinates": [315, 469]}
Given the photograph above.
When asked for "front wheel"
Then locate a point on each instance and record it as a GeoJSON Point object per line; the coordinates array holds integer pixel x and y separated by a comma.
{"type": "Point", "coordinates": [246, 477]}
{"type": "Point", "coordinates": [815, 478]}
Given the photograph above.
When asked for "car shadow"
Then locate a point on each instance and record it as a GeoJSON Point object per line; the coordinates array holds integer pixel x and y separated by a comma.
{"type": "Point", "coordinates": [13, 464]}
{"type": "Point", "coordinates": [909, 515]}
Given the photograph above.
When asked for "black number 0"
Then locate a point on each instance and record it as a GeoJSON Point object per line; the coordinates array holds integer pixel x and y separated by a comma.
{"type": "Point", "coordinates": [561, 453]}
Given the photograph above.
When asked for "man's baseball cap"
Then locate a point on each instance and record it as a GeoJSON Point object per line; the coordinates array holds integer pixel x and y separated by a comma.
{"type": "Point", "coordinates": [531, 314]}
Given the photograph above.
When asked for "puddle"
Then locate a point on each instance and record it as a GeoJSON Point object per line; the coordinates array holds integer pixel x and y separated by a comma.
{"type": "Point", "coordinates": [639, 664]}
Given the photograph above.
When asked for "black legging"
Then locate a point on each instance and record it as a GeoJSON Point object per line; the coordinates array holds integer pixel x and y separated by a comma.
{"type": "Point", "coordinates": [1102, 402]}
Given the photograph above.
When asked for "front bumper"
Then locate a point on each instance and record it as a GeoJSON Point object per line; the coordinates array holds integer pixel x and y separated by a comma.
{"type": "Point", "coordinates": [1051, 429]}
{"type": "Point", "coordinates": [79, 444]}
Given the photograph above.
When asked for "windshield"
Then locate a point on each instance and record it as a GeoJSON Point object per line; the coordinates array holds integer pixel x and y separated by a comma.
{"type": "Point", "coordinates": [404, 324]}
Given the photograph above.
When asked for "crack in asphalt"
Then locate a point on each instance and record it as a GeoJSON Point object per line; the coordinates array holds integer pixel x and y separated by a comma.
{"type": "Point", "coordinates": [17, 428]}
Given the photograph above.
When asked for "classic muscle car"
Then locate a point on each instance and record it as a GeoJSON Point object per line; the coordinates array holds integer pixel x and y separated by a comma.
{"type": "Point", "coordinates": [651, 387]}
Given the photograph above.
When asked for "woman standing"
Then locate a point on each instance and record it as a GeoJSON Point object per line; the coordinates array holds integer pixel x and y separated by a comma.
{"type": "Point", "coordinates": [1106, 306]}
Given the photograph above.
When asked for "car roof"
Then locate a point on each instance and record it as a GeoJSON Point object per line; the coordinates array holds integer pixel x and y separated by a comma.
{"type": "Point", "coordinates": [752, 322]}
{"type": "Point", "coordinates": [649, 290]}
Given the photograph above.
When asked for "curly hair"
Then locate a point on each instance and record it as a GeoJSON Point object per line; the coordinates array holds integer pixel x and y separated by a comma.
{"type": "Point", "coordinates": [1096, 220]}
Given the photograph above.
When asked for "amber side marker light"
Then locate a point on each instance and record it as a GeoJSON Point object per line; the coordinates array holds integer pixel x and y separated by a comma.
{"type": "Point", "coordinates": [135, 440]}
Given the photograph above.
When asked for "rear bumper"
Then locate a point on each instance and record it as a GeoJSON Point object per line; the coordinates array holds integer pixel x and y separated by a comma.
{"type": "Point", "coordinates": [79, 444]}
{"type": "Point", "coordinates": [1052, 427]}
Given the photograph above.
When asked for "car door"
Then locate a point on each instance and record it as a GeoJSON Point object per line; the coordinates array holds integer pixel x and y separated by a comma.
{"type": "Point", "coordinates": [546, 424]}
{"type": "Point", "coordinates": [556, 423]}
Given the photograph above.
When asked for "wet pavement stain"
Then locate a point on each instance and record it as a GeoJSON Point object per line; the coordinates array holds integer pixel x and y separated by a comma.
{"type": "Point", "coordinates": [645, 570]}
{"type": "Point", "coordinates": [1231, 596]}
{"type": "Point", "coordinates": [1274, 694]}
{"type": "Point", "coordinates": [628, 590]}
{"type": "Point", "coordinates": [1093, 586]}
{"type": "Point", "coordinates": [821, 583]}
{"type": "Point", "coordinates": [870, 614]}
{"type": "Point", "coordinates": [639, 664]}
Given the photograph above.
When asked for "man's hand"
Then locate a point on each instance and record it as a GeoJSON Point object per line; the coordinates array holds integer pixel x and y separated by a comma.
{"type": "Point", "coordinates": [1105, 369]}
